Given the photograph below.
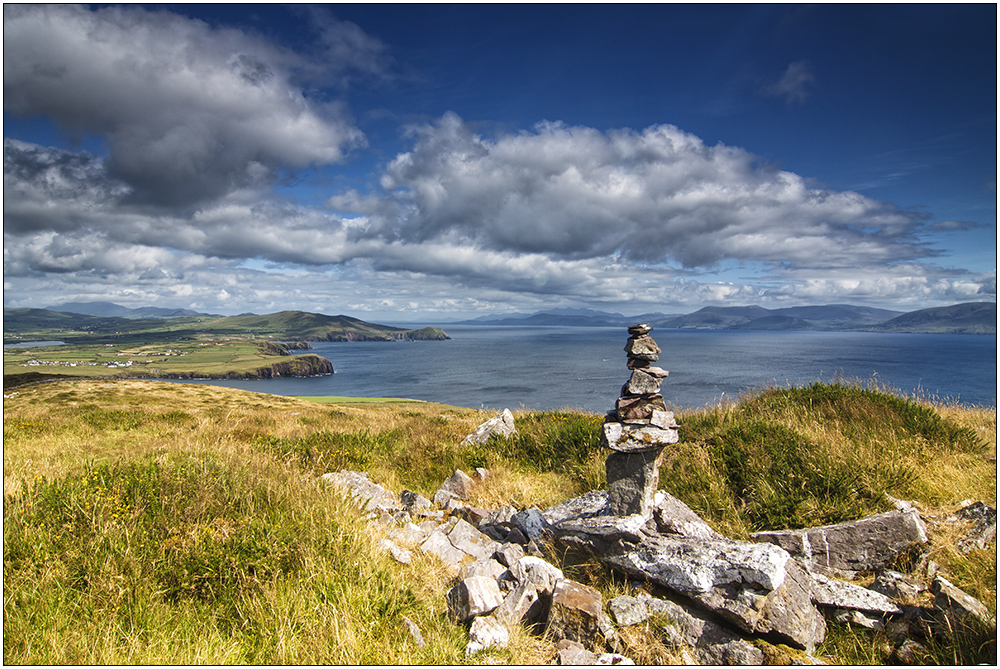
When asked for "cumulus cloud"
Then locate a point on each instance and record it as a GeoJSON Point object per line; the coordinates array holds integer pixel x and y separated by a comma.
{"type": "Point", "coordinates": [653, 196]}
{"type": "Point", "coordinates": [189, 112]}
{"type": "Point", "coordinates": [794, 83]}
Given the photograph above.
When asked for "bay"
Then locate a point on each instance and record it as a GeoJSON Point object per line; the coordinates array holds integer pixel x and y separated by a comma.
{"type": "Point", "coordinates": [550, 368]}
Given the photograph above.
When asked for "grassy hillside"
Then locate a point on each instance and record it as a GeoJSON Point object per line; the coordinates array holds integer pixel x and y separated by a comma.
{"type": "Point", "coordinates": [149, 523]}
{"type": "Point", "coordinates": [41, 325]}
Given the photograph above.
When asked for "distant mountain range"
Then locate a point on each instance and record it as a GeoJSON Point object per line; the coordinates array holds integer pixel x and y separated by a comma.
{"type": "Point", "coordinates": [109, 309]}
{"type": "Point", "coordinates": [968, 318]}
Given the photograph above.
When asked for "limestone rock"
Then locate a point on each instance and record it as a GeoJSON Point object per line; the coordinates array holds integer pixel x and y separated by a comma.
{"type": "Point", "coordinates": [574, 613]}
{"type": "Point", "coordinates": [471, 541]}
{"type": "Point", "coordinates": [437, 544]}
{"type": "Point", "coordinates": [370, 495]}
{"type": "Point", "coordinates": [399, 554]}
{"type": "Point", "coordinates": [411, 501]}
{"type": "Point", "coordinates": [521, 604]}
{"type": "Point", "coordinates": [911, 652]}
{"type": "Point", "coordinates": [844, 595]}
{"type": "Point", "coordinates": [675, 517]}
{"type": "Point", "coordinates": [414, 631]}
{"type": "Point", "coordinates": [627, 438]}
{"type": "Point", "coordinates": [508, 554]}
{"type": "Point", "coordinates": [762, 592]}
{"type": "Point", "coordinates": [628, 610]}
{"type": "Point", "coordinates": [474, 596]}
{"type": "Point", "coordinates": [488, 632]}
{"type": "Point", "coordinates": [984, 526]}
{"type": "Point", "coordinates": [573, 653]}
{"type": "Point", "coordinates": [710, 642]}
{"type": "Point", "coordinates": [489, 568]}
{"type": "Point", "coordinates": [456, 487]}
{"type": "Point", "coordinates": [957, 604]}
{"type": "Point", "coordinates": [531, 522]}
{"type": "Point", "coordinates": [899, 587]}
{"type": "Point", "coordinates": [868, 544]}
{"type": "Point", "coordinates": [586, 505]}
{"type": "Point", "coordinates": [501, 425]}
{"type": "Point", "coordinates": [632, 481]}
{"type": "Point", "coordinates": [540, 573]}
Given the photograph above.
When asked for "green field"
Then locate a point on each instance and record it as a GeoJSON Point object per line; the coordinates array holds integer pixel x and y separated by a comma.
{"type": "Point", "coordinates": [165, 523]}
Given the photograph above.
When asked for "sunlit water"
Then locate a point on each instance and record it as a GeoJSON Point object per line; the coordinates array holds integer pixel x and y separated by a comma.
{"type": "Point", "coordinates": [584, 368]}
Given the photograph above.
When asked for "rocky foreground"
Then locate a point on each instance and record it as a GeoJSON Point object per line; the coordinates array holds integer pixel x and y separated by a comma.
{"type": "Point", "coordinates": [716, 600]}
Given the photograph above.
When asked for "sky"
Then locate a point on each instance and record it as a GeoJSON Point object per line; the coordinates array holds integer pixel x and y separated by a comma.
{"type": "Point", "coordinates": [430, 162]}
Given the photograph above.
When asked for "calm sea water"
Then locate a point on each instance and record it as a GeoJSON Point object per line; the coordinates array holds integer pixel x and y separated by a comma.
{"type": "Point", "coordinates": [584, 368]}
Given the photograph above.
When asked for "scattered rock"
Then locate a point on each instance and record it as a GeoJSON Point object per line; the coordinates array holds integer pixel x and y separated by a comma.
{"type": "Point", "coordinates": [846, 549]}
{"type": "Point", "coordinates": [471, 541]}
{"type": "Point", "coordinates": [574, 613]}
{"type": "Point", "coordinates": [414, 632]}
{"type": "Point", "coordinates": [710, 642]}
{"type": "Point", "coordinates": [501, 425]}
{"type": "Point", "coordinates": [437, 544]}
{"type": "Point", "coordinates": [508, 554]}
{"type": "Point", "coordinates": [531, 522]}
{"type": "Point", "coordinates": [474, 596]}
{"type": "Point", "coordinates": [956, 604]}
{"type": "Point", "coordinates": [487, 632]}
{"type": "Point", "coordinates": [843, 595]}
{"type": "Point", "coordinates": [900, 587]}
{"type": "Point", "coordinates": [398, 554]}
{"type": "Point", "coordinates": [675, 517]}
{"type": "Point", "coordinates": [371, 496]}
{"type": "Point", "coordinates": [522, 604]}
{"type": "Point", "coordinates": [984, 530]}
{"type": "Point", "coordinates": [456, 487]}
{"type": "Point", "coordinates": [628, 610]}
{"type": "Point", "coordinates": [413, 501]}
{"type": "Point", "coordinates": [489, 568]}
{"type": "Point", "coordinates": [573, 653]}
{"type": "Point", "coordinates": [540, 573]}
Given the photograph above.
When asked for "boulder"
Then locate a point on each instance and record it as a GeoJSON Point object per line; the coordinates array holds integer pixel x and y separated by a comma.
{"type": "Point", "coordinates": [456, 487]}
{"type": "Point", "coordinates": [632, 481]}
{"type": "Point", "coordinates": [370, 495]}
{"type": "Point", "coordinates": [956, 604]}
{"type": "Point", "coordinates": [531, 522]}
{"type": "Point", "coordinates": [761, 591]}
{"type": "Point", "coordinates": [628, 437]}
{"type": "Point", "coordinates": [900, 587]}
{"type": "Point", "coordinates": [710, 642]}
{"type": "Point", "coordinates": [574, 613]}
{"type": "Point", "coordinates": [471, 541]}
{"type": "Point", "coordinates": [844, 595]}
{"type": "Point", "coordinates": [522, 604]}
{"type": "Point", "coordinates": [437, 544]}
{"type": "Point", "coordinates": [846, 549]}
{"type": "Point", "coordinates": [473, 596]}
{"type": "Point", "coordinates": [489, 568]}
{"type": "Point", "coordinates": [412, 501]}
{"type": "Point", "coordinates": [628, 610]}
{"type": "Point", "coordinates": [501, 425]}
{"type": "Point", "coordinates": [674, 517]}
{"type": "Point", "coordinates": [573, 653]}
{"type": "Point", "coordinates": [487, 632]}
{"type": "Point", "coordinates": [540, 573]}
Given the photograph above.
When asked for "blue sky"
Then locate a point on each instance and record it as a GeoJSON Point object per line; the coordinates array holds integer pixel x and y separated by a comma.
{"type": "Point", "coordinates": [411, 161]}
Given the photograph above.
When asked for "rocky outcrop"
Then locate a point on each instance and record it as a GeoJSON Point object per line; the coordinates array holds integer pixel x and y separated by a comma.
{"type": "Point", "coordinates": [501, 425]}
{"type": "Point", "coordinates": [847, 549]}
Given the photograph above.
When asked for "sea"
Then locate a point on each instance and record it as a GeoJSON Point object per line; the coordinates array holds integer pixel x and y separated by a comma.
{"type": "Point", "coordinates": [554, 368]}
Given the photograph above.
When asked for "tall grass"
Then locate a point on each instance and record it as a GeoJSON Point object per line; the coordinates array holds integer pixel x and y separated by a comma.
{"type": "Point", "coordinates": [150, 523]}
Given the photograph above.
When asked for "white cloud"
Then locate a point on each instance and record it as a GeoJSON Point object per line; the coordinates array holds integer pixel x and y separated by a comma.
{"type": "Point", "coordinates": [652, 196]}
{"type": "Point", "coordinates": [190, 112]}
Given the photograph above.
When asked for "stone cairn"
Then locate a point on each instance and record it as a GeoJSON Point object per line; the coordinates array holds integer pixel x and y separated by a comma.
{"type": "Point", "coordinates": [637, 429]}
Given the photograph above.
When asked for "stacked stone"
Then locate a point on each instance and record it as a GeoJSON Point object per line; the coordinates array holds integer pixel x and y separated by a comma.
{"type": "Point", "coordinates": [637, 429]}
